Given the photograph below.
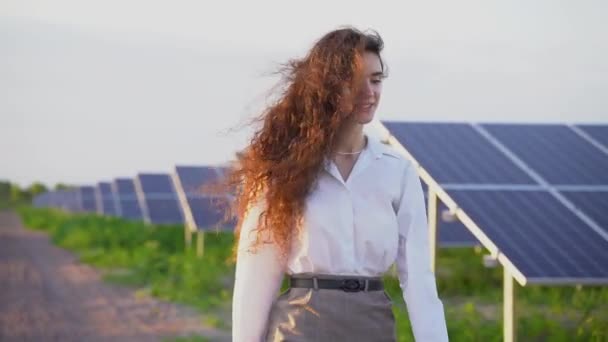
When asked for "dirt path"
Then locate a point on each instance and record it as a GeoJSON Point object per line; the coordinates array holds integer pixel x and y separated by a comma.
{"type": "Point", "coordinates": [47, 295]}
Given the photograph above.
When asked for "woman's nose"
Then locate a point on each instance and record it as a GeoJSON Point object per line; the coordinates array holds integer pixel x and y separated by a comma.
{"type": "Point", "coordinates": [367, 89]}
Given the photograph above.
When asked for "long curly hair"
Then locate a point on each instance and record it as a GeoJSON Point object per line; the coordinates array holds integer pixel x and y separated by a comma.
{"type": "Point", "coordinates": [298, 131]}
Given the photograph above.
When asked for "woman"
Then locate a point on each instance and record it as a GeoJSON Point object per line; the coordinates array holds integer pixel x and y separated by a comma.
{"type": "Point", "coordinates": [332, 208]}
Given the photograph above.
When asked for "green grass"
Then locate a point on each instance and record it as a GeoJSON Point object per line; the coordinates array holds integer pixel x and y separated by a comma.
{"type": "Point", "coordinates": [154, 260]}
{"type": "Point", "coordinates": [472, 297]}
{"type": "Point", "coordinates": [150, 257]}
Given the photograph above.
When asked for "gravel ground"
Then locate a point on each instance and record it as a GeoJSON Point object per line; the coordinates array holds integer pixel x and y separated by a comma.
{"type": "Point", "coordinates": [47, 295]}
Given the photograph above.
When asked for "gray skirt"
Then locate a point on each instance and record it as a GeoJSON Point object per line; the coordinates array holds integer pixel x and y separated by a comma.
{"type": "Point", "coordinates": [302, 314]}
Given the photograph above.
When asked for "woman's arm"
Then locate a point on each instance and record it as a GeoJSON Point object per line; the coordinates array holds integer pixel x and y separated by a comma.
{"type": "Point", "coordinates": [257, 280]}
{"type": "Point", "coordinates": [413, 264]}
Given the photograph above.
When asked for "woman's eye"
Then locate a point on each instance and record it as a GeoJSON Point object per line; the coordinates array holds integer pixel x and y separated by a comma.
{"type": "Point", "coordinates": [377, 81]}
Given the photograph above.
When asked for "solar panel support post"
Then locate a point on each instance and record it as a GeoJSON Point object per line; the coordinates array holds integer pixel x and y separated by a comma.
{"type": "Point", "coordinates": [200, 243]}
{"type": "Point", "coordinates": [189, 224]}
{"type": "Point", "coordinates": [432, 222]}
{"type": "Point", "coordinates": [187, 237]}
{"type": "Point", "coordinates": [509, 308]}
{"type": "Point", "coordinates": [141, 199]}
{"type": "Point", "coordinates": [98, 200]}
{"type": "Point", "coordinates": [117, 206]}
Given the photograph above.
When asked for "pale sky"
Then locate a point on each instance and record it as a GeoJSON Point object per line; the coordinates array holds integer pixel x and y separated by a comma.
{"type": "Point", "coordinates": [91, 91]}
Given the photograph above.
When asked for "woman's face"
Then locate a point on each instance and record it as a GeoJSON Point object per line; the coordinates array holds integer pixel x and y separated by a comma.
{"type": "Point", "coordinates": [368, 97]}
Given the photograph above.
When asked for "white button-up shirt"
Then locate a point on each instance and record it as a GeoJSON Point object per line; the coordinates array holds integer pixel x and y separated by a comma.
{"type": "Point", "coordinates": [358, 227]}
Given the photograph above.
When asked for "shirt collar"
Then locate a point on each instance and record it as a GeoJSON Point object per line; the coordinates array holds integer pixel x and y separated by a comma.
{"type": "Point", "coordinates": [375, 146]}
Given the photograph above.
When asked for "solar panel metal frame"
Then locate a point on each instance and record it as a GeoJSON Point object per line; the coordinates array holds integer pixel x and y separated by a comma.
{"type": "Point", "coordinates": [450, 232]}
{"type": "Point", "coordinates": [592, 134]}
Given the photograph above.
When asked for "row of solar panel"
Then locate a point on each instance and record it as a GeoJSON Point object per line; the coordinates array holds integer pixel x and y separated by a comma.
{"type": "Point", "coordinates": [154, 198]}
{"type": "Point", "coordinates": [177, 199]}
{"type": "Point", "coordinates": [538, 192]}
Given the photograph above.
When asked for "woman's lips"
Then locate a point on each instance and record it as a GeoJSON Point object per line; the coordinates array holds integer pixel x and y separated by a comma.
{"type": "Point", "coordinates": [365, 107]}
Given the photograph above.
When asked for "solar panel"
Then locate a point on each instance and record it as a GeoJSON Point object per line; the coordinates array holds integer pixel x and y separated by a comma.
{"type": "Point", "coordinates": [127, 205]}
{"type": "Point", "coordinates": [556, 152]}
{"type": "Point", "coordinates": [106, 204]}
{"type": "Point", "coordinates": [86, 199]}
{"type": "Point", "coordinates": [39, 201]}
{"type": "Point", "coordinates": [155, 183]}
{"type": "Point", "coordinates": [450, 233]}
{"type": "Point", "coordinates": [593, 203]}
{"type": "Point", "coordinates": [163, 211]}
{"type": "Point", "coordinates": [201, 210]}
{"type": "Point", "coordinates": [65, 199]}
{"type": "Point", "coordinates": [42, 200]}
{"type": "Point", "coordinates": [539, 236]}
{"type": "Point", "coordinates": [206, 213]}
{"type": "Point", "coordinates": [192, 178]}
{"type": "Point", "coordinates": [456, 153]}
{"type": "Point", "coordinates": [548, 236]}
{"type": "Point", "coordinates": [453, 234]}
{"type": "Point", "coordinates": [598, 132]}
{"type": "Point", "coordinates": [158, 199]}
{"type": "Point", "coordinates": [437, 146]}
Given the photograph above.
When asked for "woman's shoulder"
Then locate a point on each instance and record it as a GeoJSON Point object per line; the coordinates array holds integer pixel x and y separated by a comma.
{"type": "Point", "coordinates": [393, 160]}
{"type": "Point", "coordinates": [384, 148]}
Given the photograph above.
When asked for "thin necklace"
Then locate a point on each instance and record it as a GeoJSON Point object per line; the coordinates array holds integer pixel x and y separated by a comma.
{"type": "Point", "coordinates": [348, 153]}
{"type": "Point", "coordinates": [351, 153]}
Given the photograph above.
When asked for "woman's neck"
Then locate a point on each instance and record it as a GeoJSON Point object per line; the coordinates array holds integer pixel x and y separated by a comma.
{"type": "Point", "coordinates": [351, 139]}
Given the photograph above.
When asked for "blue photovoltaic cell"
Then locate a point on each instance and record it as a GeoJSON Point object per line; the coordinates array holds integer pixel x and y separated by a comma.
{"type": "Point", "coordinates": [41, 200]}
{"type": "Point", "coordinates": [456, 153]}
{"type": "Point", "coordinates": [65, 199]}
{"type": "Point", "coordinates": [105, 199]}
{"type": "Point", "coordinates": [451, 234]}
{"type": "Point", "coordinates": [538, 234]}
{"type": "Point", "coordinates": [46, 200]}
{"type": "Point", "coordinates": [60, 199]}
{"type": "Point", "coordinates": [454, 234]}
{"type": "Point", "coordinates": [598, 132]}
{"type": "Point", "coordinates": [127, 203]}
{"type": "Point", "coordinates": [192, 178]}
{"type": "Point", "coordinates": [592, 203]}
{"type": "Point", "coordinates": [130, 210]}
{"type": "Point", "coordinates": [556, 152]}
{"type": "Point", "coordinates": [124, 187]}
{"type": "Point", "coordinates": [206, 214]}
{"type": "Point", "coordinates": [160, 199]}
{"type": "Point", "coordinates": [164, 211]}
{"type": "Point", "coordinates": [86, 199]}
{"type": "Point", "coordinates": [156, 183]}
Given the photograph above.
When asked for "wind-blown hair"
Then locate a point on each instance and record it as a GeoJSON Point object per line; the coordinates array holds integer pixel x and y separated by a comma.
{"type": "Point", "coordinates": [298, 132]}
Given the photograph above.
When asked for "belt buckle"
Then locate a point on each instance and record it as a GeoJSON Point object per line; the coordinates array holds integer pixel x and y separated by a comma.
{"type": "Point", "coordinates": [351, 285]}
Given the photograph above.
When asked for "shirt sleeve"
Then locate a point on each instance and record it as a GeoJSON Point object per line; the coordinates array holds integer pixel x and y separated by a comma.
{"type": "Point", "coordinates": [258, 277]}
{"type": "Point", "coordinates": [416, 278]}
